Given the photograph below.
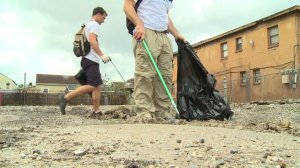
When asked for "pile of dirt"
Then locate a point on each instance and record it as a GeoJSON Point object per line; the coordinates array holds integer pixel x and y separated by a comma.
{"type": "Point", "coordinates": [122, 113]}
{"type": "Point", "coordinates": [261, 117]}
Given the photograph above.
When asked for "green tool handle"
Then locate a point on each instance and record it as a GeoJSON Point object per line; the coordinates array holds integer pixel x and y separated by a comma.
{"type": "Point", "coordinates": [160, 76]}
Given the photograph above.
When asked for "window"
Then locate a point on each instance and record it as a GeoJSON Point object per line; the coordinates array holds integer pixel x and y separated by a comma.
{"type": "Point", "coordinates": [243, 78]}
{"type": "Point", "coordinates": [7, 85]}
{"type": "Point", "coordinates": [45, 90]}
{"type": "Point", "coordinates": [256, 76]}
{"type": "Point", "coordinates": [224, 50]}
{"type": "Point", "coordinates": [239, 44]}
{"type": "Point", "coordinates": [273, 35]}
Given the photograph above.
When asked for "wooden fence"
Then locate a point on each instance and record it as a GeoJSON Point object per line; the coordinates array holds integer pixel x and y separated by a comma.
{"type": "Point", "coordinates": [38, 99]}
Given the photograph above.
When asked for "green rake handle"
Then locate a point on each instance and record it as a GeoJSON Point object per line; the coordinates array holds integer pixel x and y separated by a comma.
{"type": "Point", "coordinates": [160, 76]}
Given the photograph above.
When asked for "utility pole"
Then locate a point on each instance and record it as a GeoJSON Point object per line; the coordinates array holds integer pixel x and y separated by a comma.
{"type": "Point", "coordinates": [24, 88]}
{"type": "Point", "coordinates": [24, 80]}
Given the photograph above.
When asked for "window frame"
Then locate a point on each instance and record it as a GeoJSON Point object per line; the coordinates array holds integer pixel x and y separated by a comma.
{"type": "Point", "coordinates": [223, 57]}
{"type": "Point", "coordinates": [45, 90]}
{"type": "Point", "coordinates": [7, 86]}
{"type": "Point", "coordinates": [243, 77]}
{"type": "Point", "coordinates": [256, 77]}
{"type": "Point", "coordinates": [270, 36]}
{"type": "Point", "coordinates": [238, 46]}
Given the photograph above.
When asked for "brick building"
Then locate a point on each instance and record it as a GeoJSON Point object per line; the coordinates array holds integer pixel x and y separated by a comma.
{"type": "Point", "coordinates": [257, 61]}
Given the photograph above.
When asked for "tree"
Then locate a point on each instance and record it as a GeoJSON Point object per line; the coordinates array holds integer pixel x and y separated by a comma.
{"type": "Point", "coordinates": [20, 86]}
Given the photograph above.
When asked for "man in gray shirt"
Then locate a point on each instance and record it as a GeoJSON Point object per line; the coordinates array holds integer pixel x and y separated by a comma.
{"type": "Point", "coordinates": [152, 23]}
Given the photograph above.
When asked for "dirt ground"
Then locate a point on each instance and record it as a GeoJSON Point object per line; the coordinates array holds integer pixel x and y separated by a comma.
{"type": "Point", "coordinates": [259, 135]}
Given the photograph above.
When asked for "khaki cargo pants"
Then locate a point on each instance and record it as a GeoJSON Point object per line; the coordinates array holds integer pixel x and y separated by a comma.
{"type": "Point", "coordinates": [149, 93]}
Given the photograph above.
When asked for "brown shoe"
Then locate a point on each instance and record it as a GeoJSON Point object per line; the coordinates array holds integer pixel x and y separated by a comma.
{"type": "Point", "coordinates": [143, 117]}
{"type": "Point", "coordinates": [166, 115]}
{"type": "Point", "coordinates": [95, 115]}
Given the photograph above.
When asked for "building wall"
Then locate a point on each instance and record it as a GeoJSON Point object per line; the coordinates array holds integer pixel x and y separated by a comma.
{"type": "Point", "coordinates": [255, 54]}
{"type": "Point", "coordinates": [3, 83]}
{"type": "Point", "coordinates": [51, 88]}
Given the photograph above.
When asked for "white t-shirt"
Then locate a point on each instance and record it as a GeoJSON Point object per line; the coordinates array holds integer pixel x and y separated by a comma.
{"type": "Point", "coordinates": [154, 14]}
{"type": "Point", "coordinates": [92, 27]}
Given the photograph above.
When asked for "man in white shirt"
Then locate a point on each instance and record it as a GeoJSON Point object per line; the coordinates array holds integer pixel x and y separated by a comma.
{"type": "Point", "coordinates": [90, 65]}
{"type": "Point", "coordinates": [152, 24]}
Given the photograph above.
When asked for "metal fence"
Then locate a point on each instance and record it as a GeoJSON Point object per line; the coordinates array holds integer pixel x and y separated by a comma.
{"type": "Point", "coordinates": [38, 99]}
{"type": "Point", "coordinates": [271, 87]}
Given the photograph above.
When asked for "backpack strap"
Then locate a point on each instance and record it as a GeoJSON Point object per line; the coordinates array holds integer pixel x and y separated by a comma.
{"type": "Point", "coordinates": [137, 4]}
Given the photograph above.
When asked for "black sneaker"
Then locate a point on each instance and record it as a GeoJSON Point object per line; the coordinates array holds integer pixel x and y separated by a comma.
{"type": "Point", "coordinates": [62, 103]}
{"type": "Point", "coordinates": [96, 115]}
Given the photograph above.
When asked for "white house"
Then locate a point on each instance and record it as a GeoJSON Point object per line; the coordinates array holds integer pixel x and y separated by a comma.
{"type": "Point", "coordinates": [7, 83]}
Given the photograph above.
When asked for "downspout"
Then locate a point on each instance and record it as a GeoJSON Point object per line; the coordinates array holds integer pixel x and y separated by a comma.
{"type": "Point", "coordinates": [295, 54]}
{"type": "Point", "coordinates": [231, 86]}
{"type": "Point", "coordinates": [295, 66]}
{"type": "Point", "coordinates": [297, 43]}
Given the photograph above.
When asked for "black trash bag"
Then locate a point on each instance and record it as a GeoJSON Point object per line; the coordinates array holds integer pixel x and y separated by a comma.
{"type": "Point", "coordinates": [197, 98]}
{"type": "Point", "coordinates": [81, 77]}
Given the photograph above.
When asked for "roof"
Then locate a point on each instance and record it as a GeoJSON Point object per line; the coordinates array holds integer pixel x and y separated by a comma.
{"type": "Point", "coordinates": [8, 78]}
{"type": "Point", "coordinates": [247, 26]}
{"type": "Point", "coordinates": [55, 79]}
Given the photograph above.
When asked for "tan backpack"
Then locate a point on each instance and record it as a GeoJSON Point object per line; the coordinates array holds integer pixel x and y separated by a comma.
{"type": "Point", "coordinates": [81, 46]}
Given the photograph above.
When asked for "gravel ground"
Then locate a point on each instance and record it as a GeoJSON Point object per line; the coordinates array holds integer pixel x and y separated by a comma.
{"type": "Point", "coordinates": [259, 135]}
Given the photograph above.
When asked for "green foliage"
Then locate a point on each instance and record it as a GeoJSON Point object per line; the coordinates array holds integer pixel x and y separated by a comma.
{"type": "Point", "coordinates": [117, 86]}
{"type": "Point", "coordinates": [113, 86]}
{"type": "Point", "coordinates": [20, 86]}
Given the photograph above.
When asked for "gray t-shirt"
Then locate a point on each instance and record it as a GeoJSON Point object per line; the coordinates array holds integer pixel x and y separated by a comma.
{"type": "Point", "coordinates": [154, 14]}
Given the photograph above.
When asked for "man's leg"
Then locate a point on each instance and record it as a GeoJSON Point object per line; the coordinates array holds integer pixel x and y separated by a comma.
{"type": "Point", "coordinates": [94, 79]}
{"type": "Point", "coordinates": [96, 103]}
{"type": "Point", "coordinates": [63, 99]}
{"type": "Point", "coordinates": [165, 65]}
{"type": "Point", "coordinates": [79, 91]}
{"type": "Point", "coordinates": [96, 99]}
{"type": "Point", "coordinates": [143, 92]}
{"type": "Point", "coordinates": [144, 74]}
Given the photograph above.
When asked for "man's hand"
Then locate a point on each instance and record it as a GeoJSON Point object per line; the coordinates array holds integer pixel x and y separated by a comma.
{"type": "Point", "coordinates": [139, 33]}
{"type": "Point", "coordinates": [179, 37]}
{"type": "Point", "coordinates": [130, 12]}
{"type": "Point", "coordinates": [105, 58]}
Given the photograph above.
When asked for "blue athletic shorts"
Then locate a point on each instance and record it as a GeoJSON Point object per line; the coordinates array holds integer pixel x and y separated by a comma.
{"type": "Point", "coordinates": [92, 72]}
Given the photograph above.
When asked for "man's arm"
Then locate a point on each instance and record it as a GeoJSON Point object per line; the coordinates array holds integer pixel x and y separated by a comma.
{"type": "Point", "coordinates": [172, 29]}
{"type": "Point", "coordinates": [94, 44]}
{"type": "Point", "coordinates": [132, 15]}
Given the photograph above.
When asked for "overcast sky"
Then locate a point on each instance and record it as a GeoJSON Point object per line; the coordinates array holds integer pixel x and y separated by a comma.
{"type": "Point", "coordinates": [36, 36]}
